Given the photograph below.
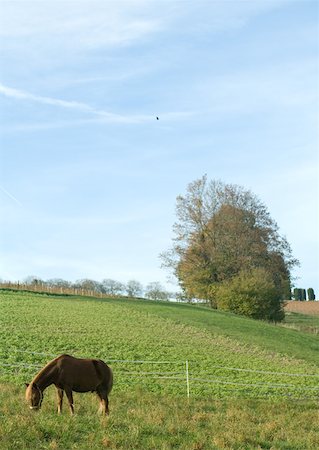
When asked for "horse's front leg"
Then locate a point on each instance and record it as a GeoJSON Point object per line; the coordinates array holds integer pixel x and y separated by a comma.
{"type": "Point", "coordinates": [69, 395]}
{"type": "Point", "coordinates": [60, 393]}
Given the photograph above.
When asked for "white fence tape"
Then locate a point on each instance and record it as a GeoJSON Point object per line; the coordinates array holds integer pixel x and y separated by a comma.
{"type": "Point", "coordinates": [181, 362]}
{"type": "Point", "coordinates": [131, 361]}
{"type": "Point", "coordinates": [273, 386]}
{"type": "Point", "coordinates": [181, 375]}
{"type": "Point", "coordinates": [266, 372]}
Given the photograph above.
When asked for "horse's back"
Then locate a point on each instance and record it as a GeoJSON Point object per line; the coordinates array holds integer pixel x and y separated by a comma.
{"type": "Point", "coordinates": [83, 374]}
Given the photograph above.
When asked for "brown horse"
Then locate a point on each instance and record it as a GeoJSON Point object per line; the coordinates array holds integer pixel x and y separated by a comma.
{"type": "Point", "coordinates": [71, 374]}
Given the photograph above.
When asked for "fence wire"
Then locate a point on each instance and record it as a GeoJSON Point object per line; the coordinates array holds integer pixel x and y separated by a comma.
{"type": "Point", "coordinates": [188, 381]}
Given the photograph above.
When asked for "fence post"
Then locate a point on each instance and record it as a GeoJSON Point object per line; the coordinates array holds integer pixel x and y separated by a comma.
{"type": "Point", "coordinates": [187, 379]}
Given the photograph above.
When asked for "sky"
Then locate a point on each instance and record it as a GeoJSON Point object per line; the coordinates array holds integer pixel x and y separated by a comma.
{"type": "Point", "coordinates": [89, 177]}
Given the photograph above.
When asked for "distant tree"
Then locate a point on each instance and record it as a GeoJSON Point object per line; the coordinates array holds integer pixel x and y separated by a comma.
{"type": "Point", "coordinates": [112, 287]}
{"type": "Point", "coordinates": [180, 297]}
{"type": "Point", "coordinates": [297, 294]}
{"type": "Point", "coordinates": [300, 294]}
{"type": "Point", "coordinates": [89, 285]}
{"type": "Point", "coordinates": [58, 282]}
{"type": "Point", "coordinates": [155, 291]}
{"type": "Point", "coordinates": [311, 294]}
{"type": "Point", "coordinates": [33, 280]}
{"type": "Point", "coordinates": [134, 288]}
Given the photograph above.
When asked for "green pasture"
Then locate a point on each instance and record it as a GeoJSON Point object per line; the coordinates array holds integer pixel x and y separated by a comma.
{"type": "Point", "coordinates": [228, 356]}
{"type": "Point", "coordinates": [302, 322]}
{"type": "Point", "coordinates": [143, 421]}
{"type": "Point", "coordinates": [252, 384]}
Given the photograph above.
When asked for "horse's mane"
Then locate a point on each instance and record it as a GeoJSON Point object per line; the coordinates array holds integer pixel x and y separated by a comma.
{"type": "Point", "coordinates": [45, 369]}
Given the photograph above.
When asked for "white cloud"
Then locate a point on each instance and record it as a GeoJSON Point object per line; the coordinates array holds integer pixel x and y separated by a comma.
{"type": "Point", "coordinates": [95, 23]}
{"type": "Point", "coordinates": [77, 23]}
{"type": "Point", "coordinates": [52, 36]}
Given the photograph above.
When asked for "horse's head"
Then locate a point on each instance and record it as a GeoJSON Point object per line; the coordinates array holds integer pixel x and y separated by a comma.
{"type": "Point", "coordinates": [34, 396]}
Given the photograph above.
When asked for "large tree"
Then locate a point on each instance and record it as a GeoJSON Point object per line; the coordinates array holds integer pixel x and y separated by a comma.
{"type": "Point", "coordinates": [221, 230]}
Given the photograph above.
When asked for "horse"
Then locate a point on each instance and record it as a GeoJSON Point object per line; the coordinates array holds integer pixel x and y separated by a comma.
{"type": "Point", "coordinates": [71, 374]}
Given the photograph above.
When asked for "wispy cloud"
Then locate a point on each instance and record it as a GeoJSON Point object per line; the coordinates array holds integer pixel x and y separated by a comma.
{"type": "Point", "coordinates": [66, 104]}
{"type": "Point", "coordinates": [10, 195]}
{"type": "Point", "coordinates": [89, 24]}
{"type": "Point", "coordinates": [97, 23]}
{"type": "Point", "coordinates": [100, 115]}
{"type": "Point", "coordinates": [104, 116]}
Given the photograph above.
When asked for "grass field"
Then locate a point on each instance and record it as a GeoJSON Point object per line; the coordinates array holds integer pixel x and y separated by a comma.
{"type": "Point", "coordinates": [252, 385]}
{"type": "Point", "coordinates": [302, 322]}
{"type": "Point", "coordinates": [140, 420]}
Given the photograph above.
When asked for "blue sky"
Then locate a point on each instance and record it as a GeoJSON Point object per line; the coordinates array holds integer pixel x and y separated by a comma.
{"type": "Point", "coordinates": [89, 177]}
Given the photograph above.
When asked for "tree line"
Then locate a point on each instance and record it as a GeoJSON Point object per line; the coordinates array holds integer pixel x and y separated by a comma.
{"type": "Point", "coordinates": [301, 294]}
{"type": "Point", "coordinates": [107, 287]}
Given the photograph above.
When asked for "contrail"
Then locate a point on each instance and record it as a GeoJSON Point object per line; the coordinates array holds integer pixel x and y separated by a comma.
{"type": "Point", "coordinates": [77, 106]}
{"type": "Point", "coordinates": [10, 195]}
{"type": "Point", "coordinates": [100, 114]}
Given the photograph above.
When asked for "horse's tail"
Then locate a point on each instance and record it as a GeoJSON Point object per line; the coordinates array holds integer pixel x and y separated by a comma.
{"type": "Point", "coordinates": [110, 379]}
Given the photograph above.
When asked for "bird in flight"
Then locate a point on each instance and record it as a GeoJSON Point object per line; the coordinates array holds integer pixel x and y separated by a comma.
{"type": "Point", "coordinates": [157, 118]}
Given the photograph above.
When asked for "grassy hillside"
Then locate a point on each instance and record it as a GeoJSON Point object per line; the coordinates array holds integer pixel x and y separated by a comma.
{"type": "Point", "coordinates": [241, 329]}
{"type": "Point", "coordinates": [244, 376]}
{"type": "Point", "coordinates": [269, 360]}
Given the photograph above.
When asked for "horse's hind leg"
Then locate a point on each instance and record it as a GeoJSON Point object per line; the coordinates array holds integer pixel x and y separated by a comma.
{"type": "Point", "coordinates": [60, 393]}
{"type": "Point", "coordinates": [104, 405]}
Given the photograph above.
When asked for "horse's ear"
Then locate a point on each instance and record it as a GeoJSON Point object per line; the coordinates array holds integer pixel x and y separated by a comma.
{"type": "Point", "coordinates": [27, 384]}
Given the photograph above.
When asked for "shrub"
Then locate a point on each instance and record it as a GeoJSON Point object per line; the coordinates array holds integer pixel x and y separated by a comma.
{"type": "Point", "coordinates": [251, 293]}
{"type": "Point", "coordinates": [297, 294]}
{"type": "Point", "coordinates": [311, 294]}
